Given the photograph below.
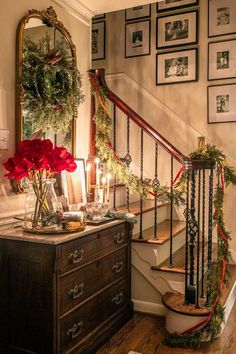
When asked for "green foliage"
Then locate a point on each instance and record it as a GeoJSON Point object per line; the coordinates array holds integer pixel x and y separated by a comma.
{"type": "Point", "coordinates": [51, 85]}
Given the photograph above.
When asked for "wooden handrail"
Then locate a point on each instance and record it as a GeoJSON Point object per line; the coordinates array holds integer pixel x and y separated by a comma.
{"type": "Point", "coordinates": [99, 74]}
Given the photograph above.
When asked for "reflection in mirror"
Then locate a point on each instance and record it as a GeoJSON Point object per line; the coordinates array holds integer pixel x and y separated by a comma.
{"type": "Point", "coordinates": [48, 84]}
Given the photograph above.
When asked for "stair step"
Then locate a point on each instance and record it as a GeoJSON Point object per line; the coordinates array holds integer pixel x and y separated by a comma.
{"type": "Point", "coordinates": [163, 232]}
{"type": "Point", "coordinates": [148, 205]}
{"type": "Point", "coordinates": [175, 301]}
{"type": "Point", "coordinates": [179, 260]}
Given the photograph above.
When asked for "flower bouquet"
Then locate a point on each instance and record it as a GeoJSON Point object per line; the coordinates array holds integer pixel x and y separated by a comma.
{"type": "Point", "coordinates": [38, 161]}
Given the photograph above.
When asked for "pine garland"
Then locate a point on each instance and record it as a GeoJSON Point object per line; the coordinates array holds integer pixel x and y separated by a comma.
{"type": "Point", "coordinates": [225, 176]}
{"type": "Point", "coordinates": [117, 166]}
{"type": "Point", "coordinates": [51, 86]}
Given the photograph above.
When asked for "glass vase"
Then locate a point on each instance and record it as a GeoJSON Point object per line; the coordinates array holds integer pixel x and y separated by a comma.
{"type": "Point", "coordinates": [41, 204]}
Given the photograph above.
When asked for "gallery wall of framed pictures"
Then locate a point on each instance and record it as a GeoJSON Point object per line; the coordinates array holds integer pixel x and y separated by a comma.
{"type": "Point", "coordinates": [177, 41]}
{"type": "Point", "coordinates": [138, 31]}
{"type": "Point", "coordinates": [221, 98]}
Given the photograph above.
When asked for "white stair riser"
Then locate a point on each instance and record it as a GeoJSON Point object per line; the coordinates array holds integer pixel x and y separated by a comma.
{"type": "Point", "coordinates": [177, 323]}
{"type": "Point", "coordinates": [148, 218]}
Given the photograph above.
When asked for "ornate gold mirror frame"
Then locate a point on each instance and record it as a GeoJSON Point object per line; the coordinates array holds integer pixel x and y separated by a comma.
{"type": "Point", "coordinates": [48, 17]}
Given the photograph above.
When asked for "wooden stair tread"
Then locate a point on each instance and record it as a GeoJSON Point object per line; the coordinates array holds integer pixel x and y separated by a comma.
{"type": "Point", "coordinates": [148, 205]}
{"type": "Point", "coordinates": [179, 260]}
{"type": "Point", "coordinates": [163, 232]}
{"type": "Point", "coordinates": [175, 301]}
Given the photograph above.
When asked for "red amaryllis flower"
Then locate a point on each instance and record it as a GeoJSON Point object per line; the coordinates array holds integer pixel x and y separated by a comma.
{"type": "Point", "coordinates": [36, 151]}
{"type": "Point", "coordinates": [18, 168]}
{"type": "Point", "coordinates": [60, 159]}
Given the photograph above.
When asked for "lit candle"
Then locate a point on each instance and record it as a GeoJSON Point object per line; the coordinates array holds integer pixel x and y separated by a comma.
{"type": "Point", "coordinates": [97, 161]}
{"type": "Point", "coordinates": [104, 197]}
{"type": "Point", "coordinates": [108, 187]}
{"type": "Point", "coordinates": [88, 169]}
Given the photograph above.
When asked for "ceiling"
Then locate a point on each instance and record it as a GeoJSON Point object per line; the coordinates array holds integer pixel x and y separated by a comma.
{"type": "Point", "coordinates": [103, 6]}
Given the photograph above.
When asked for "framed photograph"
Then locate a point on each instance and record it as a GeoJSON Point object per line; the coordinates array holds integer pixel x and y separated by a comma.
{"type": "Point", "coordinates": [98, 17]}
{"type": "Point", "coordinates": [221, 17]}
{"type": "Point", "coordinates": [222, 60]}
{"type": "Point", "coordinates": [137, 38]}
{"type": "Point", "coordinates": [177, 67]}
{"type": "Point", "coordinates": [98, 40]}
{"type": "Point", "coordinates": [221, 103]}
{"type": "Point", "coordinates": [169, 5]}
{"type": "Point", "coordinates": [73, 185]}
{"type": "Point", "coordinates": [138, 12]}
{"type": "Point", "coordinates": [177, 29]}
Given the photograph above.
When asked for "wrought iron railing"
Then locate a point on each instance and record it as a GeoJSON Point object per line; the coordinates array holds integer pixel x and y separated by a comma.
{"type": "Point", "coordinates": [199, 192]}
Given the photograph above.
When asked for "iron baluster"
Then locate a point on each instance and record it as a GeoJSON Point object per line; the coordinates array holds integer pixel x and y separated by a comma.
{"type": "Point", "coordinates": [141, 197]}
{"type": "Point", "coordinates": [209, 256]}
{"type": "Point", "coordinates": [128, 160]}
{"type": "Point", "coordinates": [186, 213]}
{"type": "Point", "coordinates": [155, 185]}
{"type": "Point", "coordinates": [203, 231]}
{"type": "Point", "coordinates": [114, 147]}
{"type": "Point", "coordinates": [171, 212]}
{"type": "Point", "coordinates": [198, 237]}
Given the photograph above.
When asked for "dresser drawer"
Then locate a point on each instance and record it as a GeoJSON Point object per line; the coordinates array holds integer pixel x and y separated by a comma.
{"type": "Point", "coordinates": [86, 281]}
{"type": "Point", "coordinates": [83, 250]}
{"type": "Point", "coordinates": [83, 320]}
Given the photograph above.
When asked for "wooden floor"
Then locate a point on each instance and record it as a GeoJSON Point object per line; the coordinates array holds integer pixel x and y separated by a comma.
{"type": "Point", "coordinates": [143, 334]}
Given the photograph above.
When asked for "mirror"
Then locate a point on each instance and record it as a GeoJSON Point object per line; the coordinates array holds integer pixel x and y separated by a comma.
{"type": "Point", "coordinates": [48, 85]}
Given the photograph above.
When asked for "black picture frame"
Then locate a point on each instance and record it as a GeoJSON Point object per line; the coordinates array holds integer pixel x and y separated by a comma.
{"type": "Point", "coordinates": [138, 17]}
{"type": "Point", "coordinates": [223, 7]}
{"type": "Point", "coordinates": [158, 10]}
{"type": "Point", "coordinates": [195, 50]}
{"type": "Point", "coordinates": [179, 44]}
{"type": "Point", "coordinates": [228, 60]}
{"type": "Point", "coordinates": [220, 94]}
{"type": "Point", "coordinates": [149, 38]}
{"type": "Point", "coordinates": [103, 54]}
{"type": "Point", "coordinates": [98, 17]}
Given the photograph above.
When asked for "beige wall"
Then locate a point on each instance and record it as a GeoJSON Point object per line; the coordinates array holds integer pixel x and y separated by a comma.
{"type": "Point", "coordinates": [188, 101]}
{"type": "Point", "coordinates": [11, 13]}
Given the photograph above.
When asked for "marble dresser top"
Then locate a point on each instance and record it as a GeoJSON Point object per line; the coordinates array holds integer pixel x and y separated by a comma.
{"type": "Point", "coordinates": [18, 234]}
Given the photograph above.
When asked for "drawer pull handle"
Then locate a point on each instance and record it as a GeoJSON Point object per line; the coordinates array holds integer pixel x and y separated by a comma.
{"type": "Point", "coordinates": [76, 256]}
{"type": "Point", "coordinates": [118, 267]}
{"type": "Point", "coordinates": [119, 237]}
{"type": "Point", "coordinates": [75, 330]}
{"type": "Point", "coordinates": [118, 298]}
{"type": "Point", "coordinates": [76, 291]}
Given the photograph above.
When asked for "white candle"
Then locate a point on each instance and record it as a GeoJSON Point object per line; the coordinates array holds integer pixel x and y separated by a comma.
{"type": "Point", "coordinates": [97, 161]}
{"type": "Point", "coordinates": [108, 187]}
{"type": "Point", "coordinates": [104, 197]}
{"type": "Point", "coordinates": [88, 169]}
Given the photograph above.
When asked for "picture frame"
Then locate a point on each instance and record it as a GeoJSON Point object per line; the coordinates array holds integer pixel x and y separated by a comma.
{"type": "Point", "coordinates": [221, 17]}
{"type": "Point", "coordinates": [99, 40]}
{"type": "Point", "coordinates": [98, 17]}
{"type": "Point", "coordinates": [137, 12]}
{"type": "Point", "coordinates": [221, 102]}
{"type": "Point", "coordinates": [222, 60]}
{"type": "Point", "coordinates": [177, 67]}
{"type": "Point", "coordinates": [168, 5]}
{"type": "Point", "coordinates": [73, 186]}
{"type": "Point", "coordinates": [177, 30]}
{"type": "Point", "coordinates": [137, 38]}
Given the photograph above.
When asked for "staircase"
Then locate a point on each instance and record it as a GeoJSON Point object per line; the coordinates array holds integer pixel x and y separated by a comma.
{"type": "Point", "coordinates": [173, 247]}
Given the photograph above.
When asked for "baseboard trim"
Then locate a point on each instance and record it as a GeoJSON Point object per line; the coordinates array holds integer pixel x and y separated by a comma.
{"type": "Point", "coordinates": [149, 307]}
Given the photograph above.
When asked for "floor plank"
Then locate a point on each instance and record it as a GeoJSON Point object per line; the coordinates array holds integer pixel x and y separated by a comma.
{"type": "Point", "coordinates": [144, 334]}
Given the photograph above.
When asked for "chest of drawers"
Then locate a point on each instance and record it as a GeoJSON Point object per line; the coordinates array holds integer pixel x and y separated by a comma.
{"type": "Point", "coordinates": [64, 294]}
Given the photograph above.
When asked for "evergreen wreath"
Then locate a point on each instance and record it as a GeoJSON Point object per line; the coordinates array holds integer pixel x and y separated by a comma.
{"type": "Point", "coordinates": [51, 85]}
{"type": "Point", "coordinates": [210, 328]}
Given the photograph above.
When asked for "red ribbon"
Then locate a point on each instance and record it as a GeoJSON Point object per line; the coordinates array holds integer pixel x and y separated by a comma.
{"type": "Point", "coordinates": [99, 97]}
{"type": "Point", "coordinates": [222, 179]}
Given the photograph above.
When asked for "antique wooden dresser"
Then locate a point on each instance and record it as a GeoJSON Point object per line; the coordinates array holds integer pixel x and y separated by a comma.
{"type": "Point", "coordinates": [63, 293]}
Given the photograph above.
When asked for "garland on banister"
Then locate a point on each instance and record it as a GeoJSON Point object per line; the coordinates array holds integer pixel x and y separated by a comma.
{"type": "Point", "coordinates": [106, 152]}
{"type": "Point", "coordinates": [210, 327]}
